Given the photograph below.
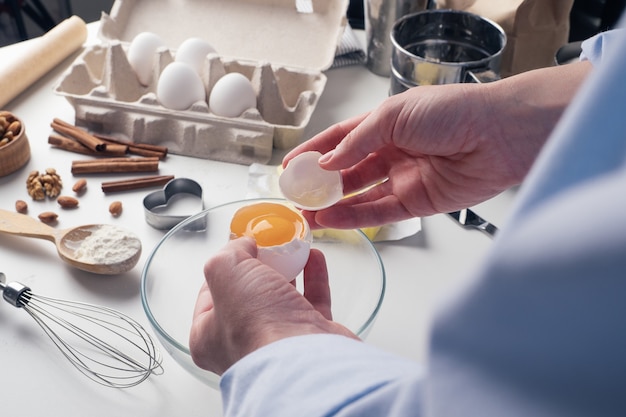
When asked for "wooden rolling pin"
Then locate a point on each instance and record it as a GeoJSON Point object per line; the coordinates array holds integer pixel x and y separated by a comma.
{"type": "Point", "coordinates": [44, 53]}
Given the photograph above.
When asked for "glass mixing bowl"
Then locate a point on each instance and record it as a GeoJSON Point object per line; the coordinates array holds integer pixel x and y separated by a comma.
{"type": "Point", "coordinates": [173, 275]}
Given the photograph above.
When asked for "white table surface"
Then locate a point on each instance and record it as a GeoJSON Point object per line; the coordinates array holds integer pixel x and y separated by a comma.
{"type": "Point", "coordinates": [36, 380]}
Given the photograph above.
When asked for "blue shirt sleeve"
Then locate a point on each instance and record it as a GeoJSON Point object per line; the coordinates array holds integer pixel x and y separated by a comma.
{"type": "Point", "coordinates": [321, 375]}
{"type": "Point", "coordinates": [595, 47]}
{"type": "Point", "coordinates": [539, 330]}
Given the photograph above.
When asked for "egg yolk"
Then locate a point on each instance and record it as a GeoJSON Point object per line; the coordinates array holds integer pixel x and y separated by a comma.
{"type": "Point", "coordinates": [269, 224]}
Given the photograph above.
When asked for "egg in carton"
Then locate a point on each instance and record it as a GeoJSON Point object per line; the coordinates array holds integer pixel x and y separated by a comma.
{"type": "Point", "coordinates": [109, 99]}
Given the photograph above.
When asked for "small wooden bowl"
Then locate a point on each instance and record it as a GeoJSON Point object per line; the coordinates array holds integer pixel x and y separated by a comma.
{"type": "Point", "coordinates": [16, 153]}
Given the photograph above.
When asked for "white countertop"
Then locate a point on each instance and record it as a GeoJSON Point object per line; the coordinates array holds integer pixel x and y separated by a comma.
{"type": "Point", "coordinates": [36, 380]}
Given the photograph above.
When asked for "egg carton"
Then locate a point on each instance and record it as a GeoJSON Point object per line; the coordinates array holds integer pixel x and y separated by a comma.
{"type": "Point", "coordinates": [108, 101]}
{"type": "Point", "coordinates": [288, 80]}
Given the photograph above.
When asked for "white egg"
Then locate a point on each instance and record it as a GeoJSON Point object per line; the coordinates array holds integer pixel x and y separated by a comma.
{"type": "Point", "coordinates": [282, 235]}
{"type": "Point", "coordinates": [179, 87]}
{"type": "Point", "coordinates": [193, 51]}
{"type": "Point", "coordinates": [232, 95]}
{"type": "Point", "coordinates": [141, 55]}
{"type": "Point", "coordinates": [309, 187]}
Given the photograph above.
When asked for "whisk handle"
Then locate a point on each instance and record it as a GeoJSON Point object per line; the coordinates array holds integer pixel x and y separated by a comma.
{"type": "Point", "coordinates": [12, 293]}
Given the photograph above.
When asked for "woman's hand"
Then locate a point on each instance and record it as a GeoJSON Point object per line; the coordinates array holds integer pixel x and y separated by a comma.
{"type": "Point", "coordinates": [440, 148]}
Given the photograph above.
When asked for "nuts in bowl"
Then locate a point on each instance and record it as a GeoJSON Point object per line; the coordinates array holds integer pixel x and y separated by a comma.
{"type": "Point", "coordinates": [14, 147]}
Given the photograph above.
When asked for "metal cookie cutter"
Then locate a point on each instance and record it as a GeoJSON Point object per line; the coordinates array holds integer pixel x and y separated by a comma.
{"type": "Point", "coordinates": [164, 221]}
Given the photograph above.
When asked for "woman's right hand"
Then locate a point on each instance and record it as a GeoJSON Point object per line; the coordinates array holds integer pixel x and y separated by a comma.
{"type": "Point", "coordinates": [441, 148]}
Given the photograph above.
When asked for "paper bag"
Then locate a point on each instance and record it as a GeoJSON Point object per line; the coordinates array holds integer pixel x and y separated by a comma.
{"type": "Point", "coordinates": [535, 29]}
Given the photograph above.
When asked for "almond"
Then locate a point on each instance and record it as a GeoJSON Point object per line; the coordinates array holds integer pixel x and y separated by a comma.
{"type": "Point", "coordinates": [48, 217]}
{"type": "Point", "coordinates": [15, 127]}
{"type": "Point", "coordinates": [80, 186]}
{"type": "Point", "coordinates": [115, 208]}
{"type": "Point", "coordinates": [21, 206]}
{"type": "Point", "coordinates": [66, 201]}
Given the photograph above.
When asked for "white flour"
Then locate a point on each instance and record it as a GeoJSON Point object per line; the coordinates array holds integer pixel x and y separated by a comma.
{"type": "Point", "coordinates": [107, 245]}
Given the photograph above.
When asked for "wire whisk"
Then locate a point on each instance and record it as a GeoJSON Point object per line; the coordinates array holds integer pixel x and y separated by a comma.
{"type": "Point", "coordinates": [105, 345]}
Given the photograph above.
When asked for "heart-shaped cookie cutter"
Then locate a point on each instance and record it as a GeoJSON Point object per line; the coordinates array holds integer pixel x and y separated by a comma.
{"type": "Point", "coordinates": [164, 221]}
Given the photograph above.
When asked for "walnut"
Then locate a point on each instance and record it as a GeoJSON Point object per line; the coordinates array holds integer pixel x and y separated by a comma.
{"type": "Point", "coordinates": [34, 186]}
{"type": "Point", "coordinates": [51, 182]}
{"type": "Point", "coordinates": [41, 185]}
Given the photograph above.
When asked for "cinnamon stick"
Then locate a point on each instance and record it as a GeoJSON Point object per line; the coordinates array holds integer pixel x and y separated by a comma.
{"type": "Point", "coordinates": [79, 135]}
{"type": "Point", "coordinates": [115, 149]}
{"type": "Point", "coordinates": [117, 165]}
{"type": "Point", "coordinates": [143, 152]}
{"type": "Point", "coordinates": [135, 148]}
{"type": "Point", "coordinates": [135, 183]}
{"type": "Point", "coordinates": [111, 161]}
{"type": "Point", "coordinates": [71, 145]}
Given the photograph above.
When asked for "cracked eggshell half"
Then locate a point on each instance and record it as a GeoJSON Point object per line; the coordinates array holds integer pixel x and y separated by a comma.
{"type": "Point", "coordinates": [282, 235]}
{"type": "Point", "coordinates": [309, 187]}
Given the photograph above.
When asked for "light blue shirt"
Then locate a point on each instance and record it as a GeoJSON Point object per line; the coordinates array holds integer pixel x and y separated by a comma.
{"type": "Point", "coordinates": [540, 330]}
{"type": "Point", "coordinates": [592, 48]}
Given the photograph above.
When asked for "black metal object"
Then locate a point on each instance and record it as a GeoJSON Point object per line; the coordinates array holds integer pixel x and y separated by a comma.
{"type": "Point", "coordinates": [467, 218]}
{"type": "Point", "coordinates": [589, 17]}
{"type": "Point", "coordinates": [356, 18]}
{"type": "Point", "coordinates": [36, 11]}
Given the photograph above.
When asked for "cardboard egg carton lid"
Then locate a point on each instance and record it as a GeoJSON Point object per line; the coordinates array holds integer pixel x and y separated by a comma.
{"type": "Point", "coordinates": [290, 33]}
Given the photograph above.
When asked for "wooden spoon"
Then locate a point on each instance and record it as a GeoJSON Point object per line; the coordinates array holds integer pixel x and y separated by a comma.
{"type": "Point", "coordinates": [98, 248]}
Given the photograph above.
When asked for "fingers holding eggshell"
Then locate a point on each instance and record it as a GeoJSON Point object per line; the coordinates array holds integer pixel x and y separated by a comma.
{"type": "Point", "coordinates": [316, 287]}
